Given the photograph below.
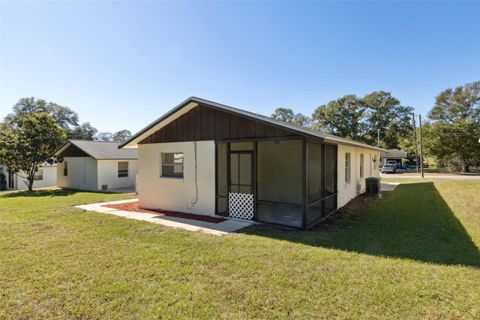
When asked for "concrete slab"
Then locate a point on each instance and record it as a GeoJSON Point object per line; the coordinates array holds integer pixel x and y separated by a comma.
{"type": "Point", "coordinates": [388, 186]}
{"type": "Point", "coordinates": [218, 229]}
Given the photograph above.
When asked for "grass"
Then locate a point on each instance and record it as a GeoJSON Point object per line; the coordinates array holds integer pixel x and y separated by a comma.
{"type": "Point", "coordinates": [411, 255]}
{"type": "Point", "coordinates": [443, 171]}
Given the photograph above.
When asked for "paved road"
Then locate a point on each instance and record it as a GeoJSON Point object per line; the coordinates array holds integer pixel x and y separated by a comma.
{"type": "Point", "coordinates": [431, 176]}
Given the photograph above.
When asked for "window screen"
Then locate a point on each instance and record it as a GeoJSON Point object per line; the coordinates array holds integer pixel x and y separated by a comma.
{"type": "Point", "coordinates": [122, 169]}
{"type": "Point", "coordinates": [347, 168]}
{"type": "Point", "coordinates": [38, 175]}
{"type": "Point", "coordinates": [172, 165]}
{"type": "Point", "coordinates": [65, 168]}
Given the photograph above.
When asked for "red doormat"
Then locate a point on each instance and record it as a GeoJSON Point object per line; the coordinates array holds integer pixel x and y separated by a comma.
{"type": "Point", "coordinates": [133, 206]}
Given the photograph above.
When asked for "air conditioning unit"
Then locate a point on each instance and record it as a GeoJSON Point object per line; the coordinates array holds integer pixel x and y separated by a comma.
{"type": "Point", "coordinates": [373, 186]}
{"type": "Point", "coordinates": [104, 187]}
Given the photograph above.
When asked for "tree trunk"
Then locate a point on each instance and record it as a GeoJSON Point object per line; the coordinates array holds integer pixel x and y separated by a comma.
{"type": "Point", "coordinates": [30, 184]}
{"type": "Point", "coordinates": [465, 167]}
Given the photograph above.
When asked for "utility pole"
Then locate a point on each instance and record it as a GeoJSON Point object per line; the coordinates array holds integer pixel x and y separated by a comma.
{"type": "Point", "coordinates": [421, 144]}
{"type": "Point", "coordinates": [378, 138]}
{"type": "Point", "coordinates": [416, 144]}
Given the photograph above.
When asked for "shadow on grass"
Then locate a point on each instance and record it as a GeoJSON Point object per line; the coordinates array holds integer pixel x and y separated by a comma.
{"type": "Point", "coordinates": [41, 193]}
{"type": "Point", "coordinates": [413, 222]}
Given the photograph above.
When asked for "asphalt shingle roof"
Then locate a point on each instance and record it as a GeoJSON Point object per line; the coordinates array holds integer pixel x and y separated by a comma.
{"type": "Point", "coordinates": [251, 115]}
{"type": "Point", "coordinates": [104, 150]}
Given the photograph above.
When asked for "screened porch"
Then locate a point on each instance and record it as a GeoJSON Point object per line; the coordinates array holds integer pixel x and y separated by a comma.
{"type": "Point", "coordinates": [290, 182]}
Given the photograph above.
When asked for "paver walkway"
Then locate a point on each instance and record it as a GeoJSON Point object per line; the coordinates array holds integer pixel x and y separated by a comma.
{"type": "Point", "coordinates": [218, 229]}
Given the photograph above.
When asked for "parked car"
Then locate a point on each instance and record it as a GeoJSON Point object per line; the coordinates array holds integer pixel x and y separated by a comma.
{"type": "Point", "coordinates": [389, 168]}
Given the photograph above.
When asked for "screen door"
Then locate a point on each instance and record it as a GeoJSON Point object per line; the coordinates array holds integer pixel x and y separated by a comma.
{"type": "Point", "coordinates": [240, 182]}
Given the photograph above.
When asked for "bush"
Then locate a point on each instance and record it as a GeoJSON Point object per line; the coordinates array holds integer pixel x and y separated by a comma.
{"type": "Point", "coordinates": [3, 182]}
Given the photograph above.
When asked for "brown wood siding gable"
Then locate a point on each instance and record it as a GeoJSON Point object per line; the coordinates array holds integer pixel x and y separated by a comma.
{"type": "Point", "coordinates": [73, 151]}
{"type": "Point", "coordinates": [205, 123]}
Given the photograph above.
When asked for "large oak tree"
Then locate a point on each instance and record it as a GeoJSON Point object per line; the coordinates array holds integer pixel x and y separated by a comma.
{"type": "Point", "coordinates": [456, 126]}
{"type": "Point", "coordinates": [27, 141]}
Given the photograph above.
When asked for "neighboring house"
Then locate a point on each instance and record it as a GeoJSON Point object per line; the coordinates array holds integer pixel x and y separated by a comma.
{"type": "Point", "coordinates": [391, 155]}
{"type": "Point", "coordinates": [95, 165]}
{"type": "Point", "coordinates": [46, 176]}
{"type": "Point", "coordinates": [207, 158]}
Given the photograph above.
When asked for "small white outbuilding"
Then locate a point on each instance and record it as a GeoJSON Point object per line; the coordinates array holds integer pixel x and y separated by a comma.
{"type": "Point", "coordinates": [95, 165]}
{"type": "Point", "coordinates": [46, 176]}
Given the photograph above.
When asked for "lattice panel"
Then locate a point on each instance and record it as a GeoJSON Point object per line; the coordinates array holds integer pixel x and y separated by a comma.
{"type": "Point", "coordinates": [240, 205]}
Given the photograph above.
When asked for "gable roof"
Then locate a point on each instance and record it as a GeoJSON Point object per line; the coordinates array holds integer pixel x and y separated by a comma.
{"type": "Point", "coordinates": [100, 150]}
{"type": "Point", "coordinates": [193, 102]}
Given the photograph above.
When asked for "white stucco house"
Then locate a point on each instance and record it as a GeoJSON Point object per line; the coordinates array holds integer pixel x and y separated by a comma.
{"type": "Point", "coordinates": [207, 158]}
{"type": "Point", "coordinates": [95, 165]}
{"type": "Point", "coordinates": [46, 176]}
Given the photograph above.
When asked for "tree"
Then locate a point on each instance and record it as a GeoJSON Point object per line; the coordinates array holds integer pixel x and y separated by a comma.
{"type": "Point", "coordinates": [104, 136]}
{"type": "Point", "coordinates": [456, 126]}
{"type": "Point", "coordinates": [85, 131]}
{"type": "Point", "coordinates": [289, 116]}
{"type": "Point", "coordinates": [122, 135]}
{"type": "Point", "coordinates": [28, 140]}
{"type": "Point", "coordinates": [342, 117]}
{"type": "Point", "coordinates": [65, 117]}
{"type": "Point", "coordinates": [385, 113]}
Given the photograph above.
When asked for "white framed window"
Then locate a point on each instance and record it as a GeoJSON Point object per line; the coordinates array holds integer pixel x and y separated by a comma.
{"type": "Point", "coordinates": [362, 173]}
{"type": "Point", "coordinates": [122, 169]}
{"type": "Point", "coordinates": [348, 169]}
{"type": "Point", "coordinates": [172, 165]}
{"type": "Point", "coordinates": [38, 175]}
{"type": "Point", "coordinates": [65, 168]}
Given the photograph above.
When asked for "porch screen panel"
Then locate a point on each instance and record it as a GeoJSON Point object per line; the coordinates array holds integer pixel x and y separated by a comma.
{"type": "Point", "coordinates": [315, 164]}
{"type": "Point", "coordinates": [330, 169]}
{"type": "Point", "coordinates": [279, 182]}
{"type": "Point", "coordinates": [241, 146]}
{"type": "Point", "coordinates": [330, 178]}
{"type": "Point", "coordinates": [222, 178]}
{"type": "Point", "coordinates": [315, 212]}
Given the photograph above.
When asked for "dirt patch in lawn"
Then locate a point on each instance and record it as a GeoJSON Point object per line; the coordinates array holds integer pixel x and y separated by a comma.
{"type": "Point", "coordinates": [342, 216]}
{"type": "Point", "coordinates": [133, 206]}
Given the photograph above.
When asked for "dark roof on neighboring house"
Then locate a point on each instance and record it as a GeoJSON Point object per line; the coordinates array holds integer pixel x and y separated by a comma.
{"type": "Point", "coordinates": [100, 150]}
{"type": "Point", "coordinates": [393, 153]}
{"type": "Point", "coordinates": [251, 115]}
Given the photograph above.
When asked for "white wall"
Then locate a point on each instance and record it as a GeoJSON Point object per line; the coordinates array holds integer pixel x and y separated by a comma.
{"type": "Point", "coordinates": [108, 174]}
{"type": "Point", "coordinates": [82, 173]}
{"type": "Point", "coordinates": [49, 178]}
{"type": "Point", "coordinates": [155, 192]}
{"type": "Point", "coordinates": [347, 191]}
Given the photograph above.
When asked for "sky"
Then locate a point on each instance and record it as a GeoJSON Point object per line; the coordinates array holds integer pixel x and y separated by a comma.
{"type": "Point", "coordinates": [121, 65]}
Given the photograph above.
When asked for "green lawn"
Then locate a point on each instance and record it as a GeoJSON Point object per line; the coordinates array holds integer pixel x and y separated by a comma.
{"type": "Point", "coordinates": [413, 254]}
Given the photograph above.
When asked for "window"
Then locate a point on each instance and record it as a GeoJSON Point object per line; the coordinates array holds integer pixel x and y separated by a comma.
{"type": "Point", "coordinates": [172, 165]}
{"type": "Point", "coordinates": [122, 169]}
{"type": "Point", "coordinates": [38, 175]}
{"type": "Point", "coordinates": [65, 168]}
{"type": "Point", "coordinates": [361, 165]}
{"type": "Point", "coordinates": [347, 168]}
